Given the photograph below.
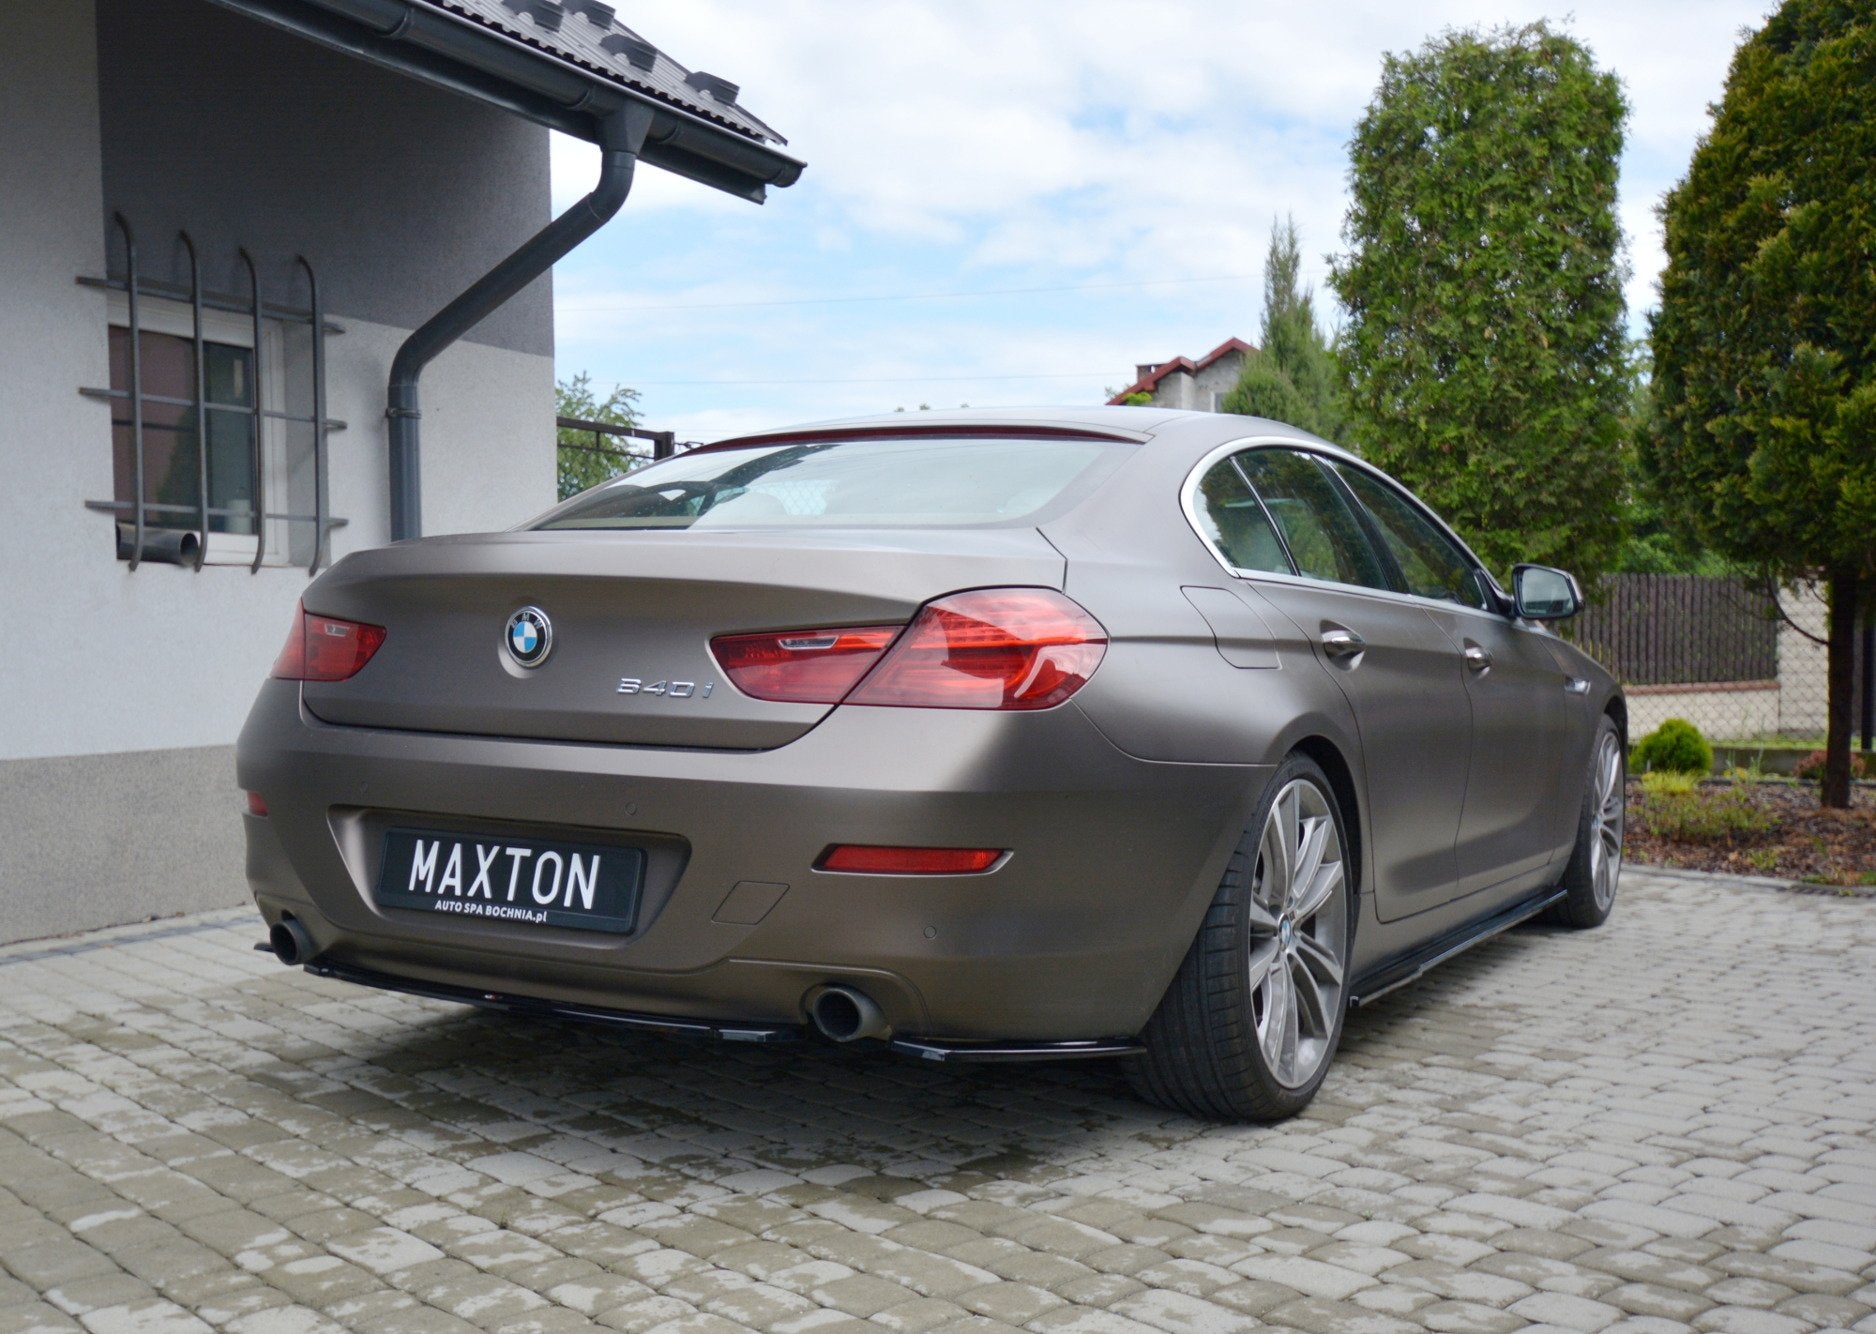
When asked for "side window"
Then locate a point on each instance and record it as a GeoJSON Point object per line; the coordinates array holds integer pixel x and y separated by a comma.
{"type": "Point", "coordinates": [1429, 561]}
{"type": "Point", "coordinates": [1236, 524]}
{"type": "Point", "coordinates": [1324, 536]}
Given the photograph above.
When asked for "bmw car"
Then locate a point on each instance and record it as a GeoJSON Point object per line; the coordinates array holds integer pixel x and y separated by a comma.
{"type": "Point", "coordinates": [1161, 736]}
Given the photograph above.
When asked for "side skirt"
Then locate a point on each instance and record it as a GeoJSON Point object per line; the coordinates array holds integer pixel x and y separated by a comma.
{"type": "Point", "coordinates": [1398, 972]}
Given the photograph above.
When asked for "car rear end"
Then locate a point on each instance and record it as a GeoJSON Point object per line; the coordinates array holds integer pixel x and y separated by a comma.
{"type": "Point", "coordinates": [642, 762]}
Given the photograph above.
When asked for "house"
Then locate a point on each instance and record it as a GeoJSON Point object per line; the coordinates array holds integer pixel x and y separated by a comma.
{"type": "Point", "coordinates": [1199, 386]}
{"type": "Point", "coordinates": [273, 288]}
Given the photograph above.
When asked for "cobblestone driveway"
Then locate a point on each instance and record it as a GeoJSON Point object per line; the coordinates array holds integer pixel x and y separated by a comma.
{"type": "Point", "coordinates": [1665, 1122]}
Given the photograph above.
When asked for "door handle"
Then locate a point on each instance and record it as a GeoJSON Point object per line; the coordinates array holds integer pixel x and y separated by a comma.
{"type": "Point", "coordinates": [1342, 643]}
{"type": "Point", "coordinates": [1477, 659]}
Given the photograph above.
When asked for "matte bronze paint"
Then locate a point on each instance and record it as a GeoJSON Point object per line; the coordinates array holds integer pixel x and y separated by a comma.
{"type": "Point", "coordinates": [1120, 807]}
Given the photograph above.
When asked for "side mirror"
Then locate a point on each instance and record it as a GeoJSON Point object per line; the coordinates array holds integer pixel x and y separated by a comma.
{"type": "Point", "coordinates": [1544, 594]}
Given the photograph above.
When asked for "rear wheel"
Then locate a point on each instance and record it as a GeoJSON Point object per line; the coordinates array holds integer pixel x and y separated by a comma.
{"type": "Point", "coordinates": [1589, 881]}
{"type": "Point", "coordinates": [1248, 1026]}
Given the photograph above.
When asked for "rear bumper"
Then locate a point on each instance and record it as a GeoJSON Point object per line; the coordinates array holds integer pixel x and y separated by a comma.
{"type": "Point", "coordinates": [1074, 936]}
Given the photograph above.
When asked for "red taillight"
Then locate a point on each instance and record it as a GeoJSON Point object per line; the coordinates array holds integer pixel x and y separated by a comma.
{"type": "Point", "coordinates": [255, 805]}
{"type": "Point", "coordinates": [801, 666]}
{"type": "Point", "coordinates": [320, 648]}
{"type": "Point", "coordinates": [1006, 648]}
{"type": "Point", "coordinates": [869, 859]}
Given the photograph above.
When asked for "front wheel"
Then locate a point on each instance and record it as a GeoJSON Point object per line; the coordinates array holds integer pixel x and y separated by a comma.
{"type": "Point", "coordinates": [1248, 1026]}
{"type": "Point", "coordinates": [1595, 866]}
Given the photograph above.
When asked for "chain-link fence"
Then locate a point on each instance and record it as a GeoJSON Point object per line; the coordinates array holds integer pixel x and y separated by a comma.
{"type": "Point", "coordinates": [1743, 663]}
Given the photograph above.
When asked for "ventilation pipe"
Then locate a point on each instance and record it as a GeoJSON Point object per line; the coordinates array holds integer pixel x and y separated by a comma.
{"type": "Point", "coordinates": [622, 136]}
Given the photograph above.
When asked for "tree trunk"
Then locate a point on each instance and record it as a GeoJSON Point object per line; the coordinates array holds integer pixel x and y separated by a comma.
{"type": "Point", "coordinates": [1844, 588]}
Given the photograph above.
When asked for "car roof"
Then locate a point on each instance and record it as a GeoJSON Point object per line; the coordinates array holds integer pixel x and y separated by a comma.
{"type": "Point", "coordinates": [1145, 425]}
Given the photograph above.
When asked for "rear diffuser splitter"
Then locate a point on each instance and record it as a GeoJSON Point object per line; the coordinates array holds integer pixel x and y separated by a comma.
{"type": "Point", "coordinates": [926, 1049]}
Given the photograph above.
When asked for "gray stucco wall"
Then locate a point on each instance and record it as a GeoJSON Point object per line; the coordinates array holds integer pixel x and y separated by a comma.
{"type": "Point", "coordinates": [99, 840]}
{"type": "Point", "coordinates": [399, 194]}
{"type": "Point", "coordinates": [117, 793]}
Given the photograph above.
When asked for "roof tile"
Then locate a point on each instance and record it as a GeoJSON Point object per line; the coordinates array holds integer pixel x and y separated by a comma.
{"type": "Point", "coordinates": [588, 34]}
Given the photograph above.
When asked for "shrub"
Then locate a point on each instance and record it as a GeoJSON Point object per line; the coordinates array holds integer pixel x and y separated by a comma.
{"type": "Point", "coordinates": [1667, 782]}
{"type": "Point", "coordinates": [1676, 746]}
{"type": "Point", "coordinates": [1725, 816]}
{"type": "Point", "coordinates": [1811, 768]}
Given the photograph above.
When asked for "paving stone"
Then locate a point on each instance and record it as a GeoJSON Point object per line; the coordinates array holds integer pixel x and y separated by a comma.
{"type": "Point", "coordinates": [152, 1315]}
{"type": "Point", "coordinates": [1565, 1311]}
{"type": "Point", "coordinates": [1317, 1315]}
{"type": "Point", "coordinates": [862, 1294]}
{"type": "Point", "coordinates": [1175, 1311]}
{"type": "Point", "coordinates": [1309, 1277]}
{"type": "Point", "coordinates": [916, 1317]}
{"type": "Point", "coordinates": [1650, 1299]}
{"type": "Point", "coordinates": [91, 1294]}
{"type": "Point", "coordinates": [188, 1136]}
{"type": "Point", "coordinates": [1749, 1320]}
{"type": "Point", "coordinates": [1469, 1318]}
{"type": "Point", "coordinates": [1824, 1311]}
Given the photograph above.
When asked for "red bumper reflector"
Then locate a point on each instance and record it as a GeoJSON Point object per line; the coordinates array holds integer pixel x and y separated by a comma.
{"type": "Point", "coordinates": [255, 805]}
{"type": "Point", "coordinates": [870, 859]}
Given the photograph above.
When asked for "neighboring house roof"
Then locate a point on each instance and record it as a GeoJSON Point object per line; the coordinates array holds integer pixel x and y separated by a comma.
{"type": "Point", "coordinates": [1149, 383]}
{"type": "Point", "coordinates": [587, 33]}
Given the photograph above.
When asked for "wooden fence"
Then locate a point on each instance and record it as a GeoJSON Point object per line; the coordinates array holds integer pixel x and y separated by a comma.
{"type": "Point", "coordinates": [1660, 629]}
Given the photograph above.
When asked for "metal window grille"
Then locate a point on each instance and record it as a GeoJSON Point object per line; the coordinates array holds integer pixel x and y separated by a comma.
{"type": "Point", "coordinates": [137, 537]}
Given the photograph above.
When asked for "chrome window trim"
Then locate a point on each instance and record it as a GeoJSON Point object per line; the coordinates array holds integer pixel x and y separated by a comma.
{"type": "Point", "coordinates": [1188, 501]}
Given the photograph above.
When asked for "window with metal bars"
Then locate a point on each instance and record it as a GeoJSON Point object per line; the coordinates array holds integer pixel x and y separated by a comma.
{"type": "Point", "coordinates": [218, 420]}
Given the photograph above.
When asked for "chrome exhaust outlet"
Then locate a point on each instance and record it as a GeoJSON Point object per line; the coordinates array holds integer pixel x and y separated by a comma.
{"type": "Point", "coordinates": [842, 1014]}
{"type": "Point", "coordinates": [290, 943]}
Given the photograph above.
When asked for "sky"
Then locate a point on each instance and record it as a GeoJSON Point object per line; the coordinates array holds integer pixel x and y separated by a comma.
{"type": "Point", "coordinates": [1013, 202]}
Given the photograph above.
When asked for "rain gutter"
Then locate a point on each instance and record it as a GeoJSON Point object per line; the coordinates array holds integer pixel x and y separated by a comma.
{"type": "Point", "coordinates": [622, 136]}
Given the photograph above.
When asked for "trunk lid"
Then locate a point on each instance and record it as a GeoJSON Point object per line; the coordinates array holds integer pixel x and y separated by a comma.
{"type": "Point", "coordinates": [630, 606]}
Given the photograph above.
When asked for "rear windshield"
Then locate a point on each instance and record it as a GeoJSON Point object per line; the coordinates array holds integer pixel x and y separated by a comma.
{"type": "Point", "coordinates": [928, 482]}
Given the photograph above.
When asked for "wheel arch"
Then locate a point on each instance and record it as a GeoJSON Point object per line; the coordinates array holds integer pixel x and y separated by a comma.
{"type": "Point", "coordinates": [1616, 710]}
{"type": "Point", "coordinates": [1329, 758]}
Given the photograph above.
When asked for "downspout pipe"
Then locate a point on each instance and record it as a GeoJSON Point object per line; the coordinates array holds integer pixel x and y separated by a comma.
{"type": "Point", "coordinates": [622, 136]}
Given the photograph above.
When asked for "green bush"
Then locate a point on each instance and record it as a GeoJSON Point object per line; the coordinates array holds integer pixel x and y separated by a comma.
{"type": "Point", "coordinates": [1676, 746]}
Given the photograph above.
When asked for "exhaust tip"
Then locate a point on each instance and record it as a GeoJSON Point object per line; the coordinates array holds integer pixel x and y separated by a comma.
{"type": "Point", "coordinates": [843, 1014]}
{"type": "Point", "coordinates": [290, 943]}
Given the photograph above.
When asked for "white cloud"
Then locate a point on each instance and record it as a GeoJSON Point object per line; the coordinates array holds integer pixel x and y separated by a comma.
{"type": "Point", "coordinates": [977, 144]}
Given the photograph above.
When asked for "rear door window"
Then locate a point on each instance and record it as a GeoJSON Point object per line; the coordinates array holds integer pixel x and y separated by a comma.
{"type": "Point", "coordinates": [1431, 563]}
{"type": "Point", "coordinates": [1324, 537]}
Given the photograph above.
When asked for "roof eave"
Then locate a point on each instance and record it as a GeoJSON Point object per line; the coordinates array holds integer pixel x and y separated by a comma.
{"type": "Point", "coordinates": [448, 51]}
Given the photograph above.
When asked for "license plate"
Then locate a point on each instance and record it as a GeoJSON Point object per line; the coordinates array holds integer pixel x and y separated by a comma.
{"type": "Point", "coordinates": [527, 881]}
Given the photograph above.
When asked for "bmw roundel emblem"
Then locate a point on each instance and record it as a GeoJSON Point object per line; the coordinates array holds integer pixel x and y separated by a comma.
{"type": "Point", "coordinates": [530, 637]}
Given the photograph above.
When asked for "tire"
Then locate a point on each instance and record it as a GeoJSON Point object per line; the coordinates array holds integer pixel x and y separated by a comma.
{"type": "Point", "coordinates": [1595, 867]}
{"type": "Point", "coordinates": [1250, 1023]}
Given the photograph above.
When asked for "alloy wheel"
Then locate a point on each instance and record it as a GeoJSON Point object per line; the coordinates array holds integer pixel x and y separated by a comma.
{"type": "Point", "coordinates": [1298, 920]}
{"type": "Point", "coordinates": [1605, 849]}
